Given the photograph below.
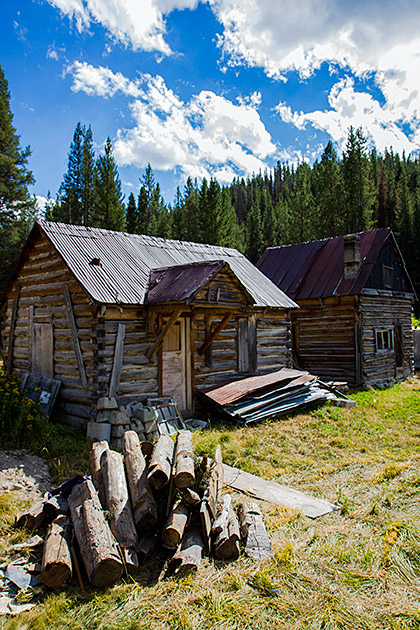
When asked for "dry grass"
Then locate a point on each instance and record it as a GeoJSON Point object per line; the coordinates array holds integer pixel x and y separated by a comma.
{"type": "Point", "coordinates": [357, 568]}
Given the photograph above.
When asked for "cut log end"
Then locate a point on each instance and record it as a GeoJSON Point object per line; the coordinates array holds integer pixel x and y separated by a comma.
{"type": "Point", "coordinates": [107, 573]}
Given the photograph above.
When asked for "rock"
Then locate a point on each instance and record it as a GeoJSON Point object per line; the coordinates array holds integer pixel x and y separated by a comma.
{"type": "Point", "coordinates": [119, 417]}
{"type": "Point", "coordinates": [118, 430]}
{"type": "Point", "coordinates": [145, 414]}
{"type": "Point", "coordinates": [106, 403]}
{"type": "Point", "coordinates": [98, 431]}
{"type": "Point", "coordinates": [103, 416]}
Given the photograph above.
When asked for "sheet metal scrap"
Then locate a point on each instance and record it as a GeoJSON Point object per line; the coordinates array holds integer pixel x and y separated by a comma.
{"type": "Point", "coordinates": [258, 397]}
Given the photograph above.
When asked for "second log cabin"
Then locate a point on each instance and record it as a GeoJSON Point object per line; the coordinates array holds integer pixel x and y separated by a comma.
{"type": "Point", "coordinates": [114, 314]}
{"type": "Point", "coordinates": [355, 298]}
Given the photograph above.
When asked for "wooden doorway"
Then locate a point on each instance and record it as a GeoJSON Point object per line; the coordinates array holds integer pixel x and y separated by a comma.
{"type": "Point", "coordinates": [176, 364]}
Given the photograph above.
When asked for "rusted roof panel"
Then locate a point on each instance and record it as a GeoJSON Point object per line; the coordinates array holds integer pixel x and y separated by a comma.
{"type": "Point", "coordinates": [316, 269]}
{"type": "Point", "coordinates": [127, 259]}
{"type": "Point", "coordinates": [178, 284]}
{"type": "Point", "coordinates": [229, 393]}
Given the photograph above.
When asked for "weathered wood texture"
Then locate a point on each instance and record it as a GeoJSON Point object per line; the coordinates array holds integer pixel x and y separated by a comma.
{"type": "Point", "coordinates": [212, 496]}
{"type": "Point", "coordinates": [142, 499]}
{"type": "Point", "coordinates": [175, 525]}
{"type": "Point", "coordinates": [224, 290]}
{"type": "Point", "coordinates": [56, 567]}
{"type": "Point", "coordinates": [188, 558]}
{"type": "Point", "coordinates": [253, 531]}
{"type": "Point", "coordinates": [118, 504]}
{"type": "Point", "coordinates": [160, 467]}
{"type": "Point", "coordinates": [95, 468]}
{"type": "Point", "coordinates": [41, 302]}
{"type": "Point", "coordinates": [386, 311]}
{"type": "Point", "coordinates": [33, 517]}
{"type": "Point", "coordinates": [184, 460]}
{"type": "Point", "coordinates": [98, 547]}
{"type": "Point", "coordinates": [326, 337]}
{"type": "Point", "coordinates": [225, 531]}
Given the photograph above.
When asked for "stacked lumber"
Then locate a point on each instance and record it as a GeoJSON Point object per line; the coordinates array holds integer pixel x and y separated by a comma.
{"type": "Point", "coordinates": [148, 501]}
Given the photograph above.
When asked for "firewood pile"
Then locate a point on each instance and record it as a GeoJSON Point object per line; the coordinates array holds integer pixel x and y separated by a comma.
{"type": "Point", "coordinates": [148, 501]}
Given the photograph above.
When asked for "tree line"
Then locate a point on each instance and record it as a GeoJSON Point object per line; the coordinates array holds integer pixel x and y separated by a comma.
{"type": "Point", "coordinates": [359, 190]}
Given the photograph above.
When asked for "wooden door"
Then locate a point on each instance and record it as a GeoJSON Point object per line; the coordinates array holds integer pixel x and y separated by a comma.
{"type": "Point", "coordinates": [42, 350]}
{"type": "Point", "coordinates": [176, 364]}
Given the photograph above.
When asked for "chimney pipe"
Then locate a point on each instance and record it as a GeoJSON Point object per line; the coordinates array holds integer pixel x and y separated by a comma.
{"type": "Point", "coordinates": [351, 255]}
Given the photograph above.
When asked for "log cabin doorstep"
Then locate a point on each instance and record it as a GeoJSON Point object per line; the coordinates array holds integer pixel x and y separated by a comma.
{"type": "Point", "coordinates": [355, 298]}
{"type": "Point", "coordinates": [109, 313]}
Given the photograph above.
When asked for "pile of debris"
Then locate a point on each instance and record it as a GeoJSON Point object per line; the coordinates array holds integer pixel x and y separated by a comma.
{"type": "Point", "coordinates": [148, 416]}
{"type": "Point", "coordinates": [149, 500]}
{"type": "Point", "coordinates": [258, 397]}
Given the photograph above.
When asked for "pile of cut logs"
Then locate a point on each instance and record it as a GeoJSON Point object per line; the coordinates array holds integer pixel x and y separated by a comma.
{"type": "Point", "coordinates": [151, 499]}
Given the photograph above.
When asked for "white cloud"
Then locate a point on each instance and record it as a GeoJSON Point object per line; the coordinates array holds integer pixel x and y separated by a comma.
{"type": "Point", "coordinates": [136, 23]}
{"type": "Point", "coordinates": [200, 137]}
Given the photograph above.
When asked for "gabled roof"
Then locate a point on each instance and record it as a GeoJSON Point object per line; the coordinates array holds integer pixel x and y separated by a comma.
{"type": "Point", "coordinates": [114, 267]}
{"type": "Point", "coordinates": [182, 282]}
{"type": "Point", "coordinates": [316, 269]}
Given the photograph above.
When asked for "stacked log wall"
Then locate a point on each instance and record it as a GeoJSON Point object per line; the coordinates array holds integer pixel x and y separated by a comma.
{"type": "Point", "coordinates": [273, 341]}
{"type": "Point", "coordinates": [385, 310]}
{"type": "Point", "coordinates": [41, 300]}
{"type": "Point", "coordinates": [326, 337]}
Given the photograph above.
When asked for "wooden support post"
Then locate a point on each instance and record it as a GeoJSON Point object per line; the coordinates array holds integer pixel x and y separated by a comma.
{"type": "Point", "coordinates": [184, 460]}
{"type": "Point", "coordinates": [118, 505]}
{"type": "Point", "coordinates": [171, 321]}
{"type": "Point", "coordinates": [214, 334]}
{"type": "Point", "coordinates": [114, 384]}
{"type": "Point", "coordinates": [142, 499]}
{"type": "Point", "coordinates": [97, 544]}
{"type": "Point", "coordinates": [212, 498]}
{"type": "Point", "coordinates": [11, 343]}
{"type": "Point", "coordinates": [56, 568]}
{"type": "Point", "coordinates": [73, 329]}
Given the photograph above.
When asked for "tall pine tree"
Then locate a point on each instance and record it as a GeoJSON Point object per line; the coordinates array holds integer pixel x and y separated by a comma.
{"type": "Point", "coordinates": [108, 209]}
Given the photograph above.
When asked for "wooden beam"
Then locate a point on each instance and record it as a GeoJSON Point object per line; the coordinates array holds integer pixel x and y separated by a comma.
{"type": "Point", "coordinates": [30, 335]}
{"type": "Point", "coordinates": [12, 330]}
{"type": "Point", "coordinates": [114, 384]}
{"type": "Point", "coordinates": [171, 321]}
{"type": "Point", "coordinates": [214, 334]}
{"type": "Point", "coordinates": [73, 329]}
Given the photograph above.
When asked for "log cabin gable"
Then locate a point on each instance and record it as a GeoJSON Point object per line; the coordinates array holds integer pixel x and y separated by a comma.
{"type": "Point", "coordinates": [389, 272]}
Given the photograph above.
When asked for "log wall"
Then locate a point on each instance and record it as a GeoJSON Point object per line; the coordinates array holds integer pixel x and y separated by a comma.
{"type": "Point", "coordinates": [41, 301]}
{"type": "Point", "coordinates": [385, 311]}
{"type": "Point", "coordinates": [325, 341]}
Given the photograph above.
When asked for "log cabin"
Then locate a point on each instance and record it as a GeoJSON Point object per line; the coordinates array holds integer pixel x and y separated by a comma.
{"type": "Point", "coordinates": [355, 298]}
{"type": "Point", "coordinates": [115, 314]}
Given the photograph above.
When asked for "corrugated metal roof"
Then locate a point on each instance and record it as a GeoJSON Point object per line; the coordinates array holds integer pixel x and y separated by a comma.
{"type": "Point", "coordinates": [127, 259]}
{"type": "Point", "coordinates": [180, 283]}
{"type": "Point", "coordinates": [316, 269]}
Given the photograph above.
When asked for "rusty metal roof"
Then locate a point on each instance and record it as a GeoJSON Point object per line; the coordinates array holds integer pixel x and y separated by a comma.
{"type": "Point", "coordinates": [235, 390]}
{"type": "Point", "coordinates": [180, 283]}
{"type": "Point", "coordinates": [316, 269]}
{"type": "Point", "coordinates": [127, 259]}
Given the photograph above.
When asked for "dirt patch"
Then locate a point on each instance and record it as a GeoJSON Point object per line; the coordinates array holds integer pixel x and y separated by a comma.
{"type": "Point", "coordinates": [24, 474]}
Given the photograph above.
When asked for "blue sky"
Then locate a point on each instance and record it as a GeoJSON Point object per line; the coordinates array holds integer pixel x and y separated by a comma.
{"type": "Point", "coordinates": [217, 88]}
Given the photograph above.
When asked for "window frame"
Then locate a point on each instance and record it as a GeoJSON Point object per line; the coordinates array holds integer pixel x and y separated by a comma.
{"type": "Point", "coordinates": [384, 339]}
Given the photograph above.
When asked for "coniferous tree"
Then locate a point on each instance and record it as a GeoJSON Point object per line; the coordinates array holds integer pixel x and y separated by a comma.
{"type": "Point", "coordinates": [357, 186]}
{"type": "Point", "coordinates": [131, 216]}
{"type": "Point", "coordinates": [17, 207]}
{"type": "Point", "coordinates": [328, 187]}
{"type": "Point", "coordinates": [302, 206]}
{"type": "Point", "coordinates": [87, 176]}
{"type": "Point", "coordinates": [230, 233]}
{"type": "Point", "coordinates": [108, 209]}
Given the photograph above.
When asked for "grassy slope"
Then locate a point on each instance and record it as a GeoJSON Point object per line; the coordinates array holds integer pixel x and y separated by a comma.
{"type": "Point", "coordinates": [356, 568]}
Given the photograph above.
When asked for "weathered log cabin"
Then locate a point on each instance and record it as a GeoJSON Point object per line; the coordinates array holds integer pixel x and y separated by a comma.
{"type": "Point", "coordinates": [109, 313]}
{"type": "Point", "coordinates": [355, 298]}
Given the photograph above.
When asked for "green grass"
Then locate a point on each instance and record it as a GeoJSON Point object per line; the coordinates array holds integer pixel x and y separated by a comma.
{"type": "Point", "coordinates": [357, 568]}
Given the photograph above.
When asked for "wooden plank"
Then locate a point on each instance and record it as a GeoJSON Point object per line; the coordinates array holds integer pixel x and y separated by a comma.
{"type": "Point", "coordinates": [42, 350]}
{"type": "Point", "coordinates": [243, 345]}
{"type": "Point", "coordinates": [274, 492]}
{"type": "Point", "coordinates": [114, 384]}
{"type": "Point", "coordinates": [163, 333]}
{"type": "Point", "coordinates": [73, 329]}
{"type": "Point", "coordinates": [12, 329]}
{"type": "Point", "coordinates": [214, 334]}
{"type": "Point", "coordinates": [30, 335]}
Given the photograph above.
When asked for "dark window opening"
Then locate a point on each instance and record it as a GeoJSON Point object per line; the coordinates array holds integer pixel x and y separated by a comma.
{"type": "Point", "coordinates": [384, 339]}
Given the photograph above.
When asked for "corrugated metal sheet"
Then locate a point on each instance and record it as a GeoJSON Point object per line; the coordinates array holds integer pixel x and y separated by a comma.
{"type": "Point", "coordinates": [229, 393]}
{"type": "Point", "coordinates": [316, 269]}
{"type": "Point", "coordinates": [127, 259]}
{"type": "Point", "coordinates": [178, 284]}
